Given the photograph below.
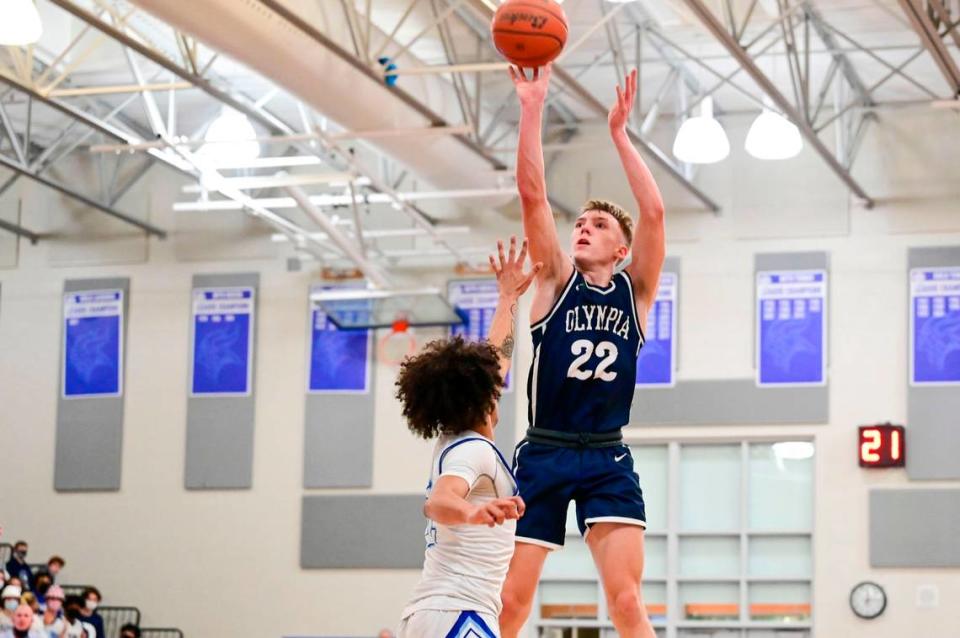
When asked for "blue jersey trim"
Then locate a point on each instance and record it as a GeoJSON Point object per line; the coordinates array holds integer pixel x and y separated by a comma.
{"type": "Point", "coordinates": [470, 625]}
{"type": "Point", "coordinates": [503, 461]}
{"type": "Point", "coordinates": [636, 313]}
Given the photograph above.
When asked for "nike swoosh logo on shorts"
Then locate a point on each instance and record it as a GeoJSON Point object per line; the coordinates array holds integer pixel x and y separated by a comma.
{"type": "Point", "coordinates": [617, 459]}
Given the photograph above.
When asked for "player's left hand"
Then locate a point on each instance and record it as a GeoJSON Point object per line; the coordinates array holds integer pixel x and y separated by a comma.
{"type": "Point", "coordinates": [620, 112]}
{"type": "Point", "coordinates": [511, 280]}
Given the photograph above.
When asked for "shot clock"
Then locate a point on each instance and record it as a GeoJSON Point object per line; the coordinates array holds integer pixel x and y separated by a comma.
{"type": "Point", "coordinates": [882, 446]}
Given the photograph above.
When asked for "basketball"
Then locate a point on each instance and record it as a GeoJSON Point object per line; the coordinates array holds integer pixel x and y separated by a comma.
{"type": "Point", "coordinates": [529, 33]}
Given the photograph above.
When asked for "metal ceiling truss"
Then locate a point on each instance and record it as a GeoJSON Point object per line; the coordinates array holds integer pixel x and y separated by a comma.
{"type": "Point", "coordinates": [33, 165]}
{"type": "Point", "coordinates": [793, 18]}
{"type": "Point", "coordinates": [168, 147]}
{"type": "Point", "coordinates": [569, 84]}
{"type": "Point", "coordinates": [932, 21]}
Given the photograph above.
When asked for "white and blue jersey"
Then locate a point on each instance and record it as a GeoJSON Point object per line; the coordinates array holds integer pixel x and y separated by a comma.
{"type": "Point", "coordinates": [585, 352]}
{"type": "Point", "coordinates": [465, 565]}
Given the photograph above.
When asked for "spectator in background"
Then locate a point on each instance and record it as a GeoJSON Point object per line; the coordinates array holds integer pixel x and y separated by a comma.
{"type": "Point", "coordinates": [17, 565]}
{"type": "Point", "coordinates": [30, 601]}
{"type": "Point", "coordinates": [42, 584]}
{"type": "Point", "coordinates": [53, 622]}
{"type": "Point", "coordinates": [22, 625]}
{"type": "Point", "coordinates": [129, 631]}
{"type": "Point", "coordinates": [54, 565]}
{"type": "Point", "coordinates": [73, 628]}
{"type": "Point", "coordinates": [385, 633]}
{"type": "Point", "coordinates": [88, 614]}
{"type": "Point", "coordinates": [10, 596]}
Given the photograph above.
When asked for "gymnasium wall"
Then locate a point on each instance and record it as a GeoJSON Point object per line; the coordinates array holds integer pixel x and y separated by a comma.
{"type": "Point", "coordinates": [220, 563]}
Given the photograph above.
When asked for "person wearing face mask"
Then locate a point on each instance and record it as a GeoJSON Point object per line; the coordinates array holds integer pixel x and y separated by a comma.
{"type": "Point", "coordinates": [22, 625]}
{"type": "Point", "coordinates": [17, 565]}
{"type": "Point", "coordinates": [73, 628]}
{"type": "Point", "coordinates": [10, 596]}
{"type": "Point", "coordinates": [88, 614]}
{"type": "Point", "coordinates": [42, 582]}
{"type": "Point", "coordinates": [52, 569]}
{"type": "Point", "coordinates": [53, 622]}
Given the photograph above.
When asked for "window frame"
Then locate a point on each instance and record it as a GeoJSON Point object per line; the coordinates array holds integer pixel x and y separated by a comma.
{"type": "Point", "coordinates": [674, 622]}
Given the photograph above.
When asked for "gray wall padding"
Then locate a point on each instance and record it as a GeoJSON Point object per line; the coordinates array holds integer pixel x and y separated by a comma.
{"type": "Point", "coordinates": [933, 413]}
{"type": "Point", "coordinates": [219, 451]}
{"type": "Point", "coordinates": [379, 531]}
{"type": "Point", "coordinates": [89, 438]}
{"type": "Point", "coordinates": [915, 528]}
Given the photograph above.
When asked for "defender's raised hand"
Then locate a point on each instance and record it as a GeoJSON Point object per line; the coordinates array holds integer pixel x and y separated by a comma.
{"type": "Point", "coordinates": [511, 280]}
{"type": "Point", "coordinates": [620, 111]}
{"type": "Point", "coordinates": [531, 91]}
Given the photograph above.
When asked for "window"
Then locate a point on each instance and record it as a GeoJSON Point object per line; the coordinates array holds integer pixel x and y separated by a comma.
{"type": "Point", "coordinates": [729, 547]}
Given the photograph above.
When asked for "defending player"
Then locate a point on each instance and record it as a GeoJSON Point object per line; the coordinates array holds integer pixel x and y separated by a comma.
{"type": "Point", "coordinates": [451, 390]}
{"type": "Point", "coordinates": [587, 321]}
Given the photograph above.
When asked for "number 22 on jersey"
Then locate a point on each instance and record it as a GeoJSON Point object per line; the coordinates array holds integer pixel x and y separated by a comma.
{"type": "Point", "coordinates": [583, 350]}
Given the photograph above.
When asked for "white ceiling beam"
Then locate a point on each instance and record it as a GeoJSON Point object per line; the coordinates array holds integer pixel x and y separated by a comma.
{"type": "Point", "coordinates": [279, 181]}
{"type": "Point", "coordinates": [342, 200]}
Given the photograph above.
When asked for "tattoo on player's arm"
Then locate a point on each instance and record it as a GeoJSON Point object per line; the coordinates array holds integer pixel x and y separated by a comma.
{"type": "Point", "coordinates": [506, 348]}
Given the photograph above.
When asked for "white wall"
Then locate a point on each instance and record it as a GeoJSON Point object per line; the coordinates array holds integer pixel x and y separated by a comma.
{"type": "Point", "coordinates": [226, 563]}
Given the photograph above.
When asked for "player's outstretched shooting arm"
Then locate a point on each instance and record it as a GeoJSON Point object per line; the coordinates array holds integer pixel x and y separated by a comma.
{"type": "Point", "coordinates": [538, 223]}
{"type": "Point", "coordinates": [648, 248]}
{"type": "Point", "coordinates": [512, 282]}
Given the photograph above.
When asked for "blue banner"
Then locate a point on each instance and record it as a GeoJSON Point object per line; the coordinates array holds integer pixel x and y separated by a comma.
{"type": "Point", "coordinates": [657, 361]}
{"type": "Point", "coordinates": [791, 328]}
{"type": "Point", "coordinates": [935, 326]}
{"type": "Point", "coordinates": [92, 344]}
{"type": "Point", "coordinates": [222, 348]}
{"type": "Point", "coordinates": [476, 300]}
{"type": "Point", "coordinates": [339, 359]}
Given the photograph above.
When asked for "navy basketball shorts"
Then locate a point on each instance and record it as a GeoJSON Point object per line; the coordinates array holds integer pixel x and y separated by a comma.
{"type": "Point", "coordinates": [601, 482]}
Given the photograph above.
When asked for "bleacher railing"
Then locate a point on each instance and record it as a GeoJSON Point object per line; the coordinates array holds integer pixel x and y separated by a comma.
{"type": "Point", "coordinates": [160, 632]}
{"type": "Point", "coordinates": [116, 617]}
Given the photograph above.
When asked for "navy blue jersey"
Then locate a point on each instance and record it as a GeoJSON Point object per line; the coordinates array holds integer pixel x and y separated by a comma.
{"type": "Point", "coordinates": [585, 352]}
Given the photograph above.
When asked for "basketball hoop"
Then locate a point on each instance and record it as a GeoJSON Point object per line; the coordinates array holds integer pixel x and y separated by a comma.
{"type": "Point", "coordinates": [398, 344]}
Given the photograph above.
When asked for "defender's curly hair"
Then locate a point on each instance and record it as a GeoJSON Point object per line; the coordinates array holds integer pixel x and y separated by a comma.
{"type": "Point", "coordinates": [450, 387]}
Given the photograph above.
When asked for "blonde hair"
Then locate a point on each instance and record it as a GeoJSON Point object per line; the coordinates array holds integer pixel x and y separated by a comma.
{"type": "Point", "coordinates": [623, 217]}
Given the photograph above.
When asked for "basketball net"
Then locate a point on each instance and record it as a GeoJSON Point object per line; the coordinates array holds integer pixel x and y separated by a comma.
{"type": "Point", "coordinates": [398, 344]}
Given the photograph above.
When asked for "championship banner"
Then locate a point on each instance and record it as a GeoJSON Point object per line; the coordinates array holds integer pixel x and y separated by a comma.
{"type": "Point", "coordinates": [935, 326]}
{"type": "Point", "coordinates": [339, 359]}
{"type": "Point", "coordinates": [791, 328]}
{"type": "Point", "coordinates": [221, 352]}
{"type": "Point", "coordinates": [657, 362]}
{"type": "Point", "coordinates": [92, 344]}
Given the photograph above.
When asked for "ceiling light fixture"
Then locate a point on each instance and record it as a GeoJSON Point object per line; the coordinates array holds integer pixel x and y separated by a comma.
{"type": "Point", "coordinates": [772, 136]}
{"type": "Point", "coordinates": [20, 24]}
{"type": "Point", "coordinates": [232, 138]}
{"type": "Point", "coordinates": [701, 139]}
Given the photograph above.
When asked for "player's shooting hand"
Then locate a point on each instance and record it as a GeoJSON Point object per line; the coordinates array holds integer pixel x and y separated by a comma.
{"type": "Point", "coordinates": [620, 111]}
{"type": "Point", "coordinates": [531, 91]}
{"type": "Point", "coordinates": [511, 280]}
